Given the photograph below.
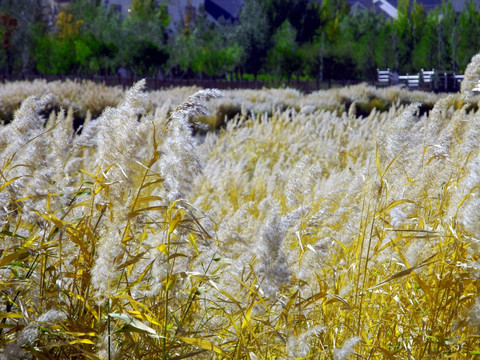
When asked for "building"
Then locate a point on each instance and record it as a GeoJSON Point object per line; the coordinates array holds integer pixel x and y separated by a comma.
{"type": "Point", "coordinates": [227, 9]}
{"type": "Point", "coordinates": [389, 7]}
{"type": "Point", "coordinates": [182, 11]}
{"type": "Point", "coordinates": [119, 6]}
{"type": "Point", "coordinates": [458, 5]}
{"type": "Point", "coordinates": [187, 10]}
{"type": "Point", "coordinates": [50, 10]}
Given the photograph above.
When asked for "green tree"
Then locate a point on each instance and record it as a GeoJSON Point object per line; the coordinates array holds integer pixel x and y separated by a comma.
{"type": "Point", "coordinates": [339, 60]}
{"type": "Point", "coordinates": [28, 17]}
{"type": "Point", "coordinates": [469, 37]}
{"type": "Point", "coordinates": [361, 33]}
{"type": "Point", "coordinates": [402, 37]}
{"type": "Point", "coordinates": [331, 51]}
{"type": "Point", "coordinates": [449, 35]}
{"type": "Point", "coordinates": [439, 41]}
{"type": "Point", "coordinates": [8, 25]}
{"type": "Point", "coordinates": [385, 43]}
{"type": "Point", "coordinates": [205, 49]}
{"type": "Point", "coordinates": [143, 9]}
{"type": "Point", "coordinates": [408, 31]}
{"type": "Point", "coordinates": [101, 36]}
{"type": "Point", "coordinates": [284, 58]}
{"type": "Point", "coordinates": [252, 35]}
{"type": "Point", "coordinates": [181, 50]}
{"type": "Point", "coordinates": [216, 56]}
{"type": "Point", "coordinates": [86, 40]}
{"type": "Point", "coordinates": [303, 15]}
{"type": "Point", "coordinates": [425, 53]}
{"type": "Point", "coordinates": [54, 56]}
{"type": "Point", "coordinates": [55, 53]}
{"type": "Point", "coordinates": [143, 35]}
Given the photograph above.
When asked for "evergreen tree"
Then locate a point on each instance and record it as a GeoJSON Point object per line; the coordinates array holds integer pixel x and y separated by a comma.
{"type": "Point", "coordinates": [386, 42]}
{"type": "Point", "coordinates": [303, 15]}
{"type": "Point", "coordinates": [252, 34]}
{"type": "Point", "coordinates": [469, 36]}
{"type": "Point", "coordinates": [284, 58]}
{"type": "Point", "coordinates": [361, 31]}
{"type": "Point", "coordinates": [21, 21]}
{"type": "Point", "coordinates": [205, 49]}
{"type": "Point", "coordinates": [144, 38]}
{"type": "Point", "coordinates": [425, 53]}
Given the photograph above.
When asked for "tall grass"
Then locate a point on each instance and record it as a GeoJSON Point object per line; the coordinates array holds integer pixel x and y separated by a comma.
{"type": "Point", "coordinates": [296, 231]}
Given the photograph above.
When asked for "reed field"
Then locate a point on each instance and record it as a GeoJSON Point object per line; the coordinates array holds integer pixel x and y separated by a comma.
{"type": "Point", "coordinates": [188, 223]}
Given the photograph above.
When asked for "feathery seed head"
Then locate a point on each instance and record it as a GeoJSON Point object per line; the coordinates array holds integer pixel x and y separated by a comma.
{"type": "Point", "coordinates": [472, 75]}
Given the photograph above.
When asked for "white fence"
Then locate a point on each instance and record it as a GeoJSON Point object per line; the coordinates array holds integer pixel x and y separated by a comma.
{"type": "Point", "coordinates": [425, 80]}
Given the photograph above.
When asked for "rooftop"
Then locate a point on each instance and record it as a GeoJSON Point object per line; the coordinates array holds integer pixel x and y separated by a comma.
{"type": "Point", "coordinates": [225, 8]}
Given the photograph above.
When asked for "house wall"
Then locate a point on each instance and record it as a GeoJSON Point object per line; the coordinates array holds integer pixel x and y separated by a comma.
{"type": "Point", "coordinates": [120, 6]}
{"type": "Point", "coordinates": [228, 9]}
{"type": "Point", "coordinates": [50, 9]}
{"type": "Point", "coordinates": [459, 5]}
{"type": "Point", "coordinates": [178, 9]}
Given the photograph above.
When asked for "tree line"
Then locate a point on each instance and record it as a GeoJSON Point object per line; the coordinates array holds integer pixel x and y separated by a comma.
{"type": "Point", "coordinates": [273, 39]}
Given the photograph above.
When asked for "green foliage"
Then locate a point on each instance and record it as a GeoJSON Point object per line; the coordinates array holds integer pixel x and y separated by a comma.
{"type": "Point", "coordinates": [142, 9]}
{"type": "Point", "coordinates": [383, 49]}
{"type": "Point", "coordinates": [425, 54]}
{"type": "Point", "coordinates": [448, 34]}
{"type": "Point", "coordinates": [215, 61]}
{"type": "Point", "coordinates": [55, 56]}
{"type": "Point", "coordinates": [358, 33]}
{"type": "Point", "coordinates": [148, 10]}
{"type": "Point", "coordinates": [146, 57]}
{"type": "Point", "coordinates": [87, 43]}
{"type": "Point", "coordinates": [205, 50]}
{"type": "Point", "coordinates": [143, 39]}
{"type": "Point", "coordinates": [101, 32]}
{"type": "Point", "coordinates": [469, 42]}
{"type": "Point", "coordinates": [320, 39]}
{"type": "Point", "coordinates": [284, 57]}
{"type": "Point", "coordinates": [102, 40]}
{"type": "Point", "coordinates": [26, 14]}
{"type": "Point", "coordinates": [252, 34]}
{"type": "Point", "coordinates": [303, 16]}
{"type": "Point", "coordinates": [309, 54]}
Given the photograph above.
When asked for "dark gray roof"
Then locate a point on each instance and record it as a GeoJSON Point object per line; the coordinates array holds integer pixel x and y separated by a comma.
{"type": "Point", "coordinates": [429, 5]}
{"type": "Point", "coordinates": [365, 4]}
{"type": "Point", "coordinates": [228, 9]}
{"type": "Point", "coordinates": [393, 2]}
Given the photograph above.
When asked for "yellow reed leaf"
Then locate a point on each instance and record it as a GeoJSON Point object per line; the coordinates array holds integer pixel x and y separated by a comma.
{"type": "Point", "coordinates": [203, 344]}
{"type": "Point", "coordinates": [286, 309]}
{"type": "Point", "coordinates": [9, 182]}
{"type": "Point", "coordinates": [5, 315]}
{"type": "Point", "coordinates": [82, 341]}
{"type": "Point", "coordinates": [16, 256]}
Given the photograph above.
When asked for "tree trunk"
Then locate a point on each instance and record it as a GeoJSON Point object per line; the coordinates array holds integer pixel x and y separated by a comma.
{"type": "Point", "coordinates": [322, 54]}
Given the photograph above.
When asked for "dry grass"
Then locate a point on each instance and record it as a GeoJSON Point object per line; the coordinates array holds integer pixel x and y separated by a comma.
{"type": "Point", "coordinates": [301, 229]}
